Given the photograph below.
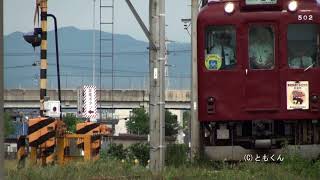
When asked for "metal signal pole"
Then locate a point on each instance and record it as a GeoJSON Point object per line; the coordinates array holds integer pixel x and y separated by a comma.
{"type": "Point", "coordinates": [157, 84]}
{"type": "Point", "coordinates": [43, 61]}
{"type": "Point", "coordinates": [195, 125]}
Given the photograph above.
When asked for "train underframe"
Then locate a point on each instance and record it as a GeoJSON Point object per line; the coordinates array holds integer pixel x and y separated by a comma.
{"type": "Point", "coordinates": [238, 140]}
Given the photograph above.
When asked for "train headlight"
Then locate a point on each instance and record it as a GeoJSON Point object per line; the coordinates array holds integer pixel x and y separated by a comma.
{"type": "Point", "coordinates": [229, 7]}
{"type": "Point", "coordinates": [293, 5]}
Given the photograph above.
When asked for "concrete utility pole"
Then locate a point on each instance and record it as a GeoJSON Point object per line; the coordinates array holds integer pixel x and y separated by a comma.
{"type": "Point", "coordinates": [195, 125]}
{"type": "Point", "coordinates": [157, 84]}
{"type": "Point", "coordinates": [157, 58]}
{"type": "Point", "coordinates": [162, 62]}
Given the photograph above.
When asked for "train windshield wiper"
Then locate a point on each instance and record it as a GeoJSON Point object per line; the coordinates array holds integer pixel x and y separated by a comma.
{"type": "Point", "coordinates": [306, 69]}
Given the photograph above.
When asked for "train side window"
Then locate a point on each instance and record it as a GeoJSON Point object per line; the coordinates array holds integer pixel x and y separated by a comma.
{"type": "Point", "coordinates": [303, 46]}
{"type": "Point", "coordinates": [261, 47]}
{"type": "Point", "coordinates": [220, 47]}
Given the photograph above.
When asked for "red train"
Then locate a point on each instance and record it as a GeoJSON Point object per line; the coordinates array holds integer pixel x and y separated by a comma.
{"type": "Point", "coordinates": [258, 76]}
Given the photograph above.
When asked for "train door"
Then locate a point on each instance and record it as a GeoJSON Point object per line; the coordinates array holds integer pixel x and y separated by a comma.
{"type": "Point", "coordinates": [262, 68]}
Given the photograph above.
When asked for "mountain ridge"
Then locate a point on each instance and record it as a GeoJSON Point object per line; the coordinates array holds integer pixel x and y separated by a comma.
{"type": "Point", "coordinates": [130, 62]}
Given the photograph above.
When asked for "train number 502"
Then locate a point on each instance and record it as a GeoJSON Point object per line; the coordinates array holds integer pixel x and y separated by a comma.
{"type": "Point", "coordinates": [305, 17]}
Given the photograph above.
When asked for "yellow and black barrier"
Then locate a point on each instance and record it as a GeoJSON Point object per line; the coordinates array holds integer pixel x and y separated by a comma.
{"type": "Point", "coordinates": [92, 129]}
{"type": "Point", "coordinates": [41, 135]}
{"type": "Point", "coordinates": [88, 128]}
{"type": "Point", "coordinates": [88, 140]}
{"type": "Point", "coordinates": [21, 151]}
{"type": "Point", "coordinates": [95, 145]}
{"type": "Point", "coordinates": [64, 142]}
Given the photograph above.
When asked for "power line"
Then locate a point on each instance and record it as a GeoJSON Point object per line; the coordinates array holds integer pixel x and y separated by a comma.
{"type": "Point", "coordinates": [16, 67]}
{"type": "Point", "coordinates": [126, 76]}
{"type": "Point", "coordinates": [79, 54]}
{"type": "Point", "coordinates": [81, 67]}
{"type": "Point", "coordinates": [78, 67]}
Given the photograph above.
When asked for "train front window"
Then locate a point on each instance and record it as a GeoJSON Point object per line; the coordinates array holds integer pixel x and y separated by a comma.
{"type": "Point", "coordinates": [220, 48]}
{"type": "Point", "coordinates": [303, 46]}
{"type": "Point", "coordinates": [261, 47]}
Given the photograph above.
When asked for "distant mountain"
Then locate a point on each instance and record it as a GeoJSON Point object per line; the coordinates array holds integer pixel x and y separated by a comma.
{"type": "Point", "coordinates": [130, 63]}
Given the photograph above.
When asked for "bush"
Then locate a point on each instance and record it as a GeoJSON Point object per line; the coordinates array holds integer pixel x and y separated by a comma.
{"type": "Point", "coordinates": [116, 151]}
{"type": "Point", "coordinates": [71, 122]}
{"type": "Point", "coordinates": [176, 154]}
{"type": "Point", "coordinates": [140, 151]}
{"type": "Point", "coordinates": [9, 127]}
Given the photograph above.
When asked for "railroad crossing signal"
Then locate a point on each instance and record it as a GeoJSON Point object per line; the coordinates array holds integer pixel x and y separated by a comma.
{"type": "Point", "coordinates": [52, 109]}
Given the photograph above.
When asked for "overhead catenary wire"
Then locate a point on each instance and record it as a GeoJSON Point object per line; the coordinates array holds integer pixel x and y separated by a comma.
{"type": "Point", "coordinates": [88, 68]}
{"type": "Point", "coordinates": [115, 76]}
{"type": "Point", "coordinates": [77, 67]}
{"type": "Point", "coordinates": [79, 54]}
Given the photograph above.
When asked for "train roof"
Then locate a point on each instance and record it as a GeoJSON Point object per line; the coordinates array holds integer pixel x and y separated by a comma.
{"type": "Point", "coordinates": [216, 6]}
{"type": "Point", "coordinates": [282, 1]}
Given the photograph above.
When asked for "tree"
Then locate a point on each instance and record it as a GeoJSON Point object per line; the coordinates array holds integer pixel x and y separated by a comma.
{"type": "Point", "coordinates": [9, 127]}
{"type": "Point", "coordinates": [186, 125]}
{"type": "Point", "coordinates": [138, 122]}
{"type": "Point", "coordinates": [186, 116]}
{"type": "Point", "coordinates": [171, 124]}
{"type": "Point", "coordinates": [71, 122]}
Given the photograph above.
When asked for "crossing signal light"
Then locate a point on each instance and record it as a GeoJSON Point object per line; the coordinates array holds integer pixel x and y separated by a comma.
{"type": "Point", "coordinates": [35, 38]}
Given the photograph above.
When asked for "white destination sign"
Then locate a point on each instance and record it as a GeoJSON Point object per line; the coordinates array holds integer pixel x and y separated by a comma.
{"type": "Point", "coordinates": [259, 2]}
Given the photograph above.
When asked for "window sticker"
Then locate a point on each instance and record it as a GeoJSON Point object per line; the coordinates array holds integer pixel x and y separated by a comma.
{"type": "Point", "coordinates": [297, 95]}
{"type": "Point", "coordinates": [213, 62]}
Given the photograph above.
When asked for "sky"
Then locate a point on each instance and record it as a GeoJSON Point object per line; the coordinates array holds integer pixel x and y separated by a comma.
{"type": "Point", "coordinates": [18, 16]}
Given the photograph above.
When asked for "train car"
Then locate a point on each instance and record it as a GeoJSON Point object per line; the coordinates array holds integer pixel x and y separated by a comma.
{"type": "Point", "coordinates": [258, 77]}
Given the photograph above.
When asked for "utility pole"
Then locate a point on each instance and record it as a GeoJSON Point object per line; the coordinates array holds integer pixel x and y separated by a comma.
{"type": "Point", "coordinates": [1, 98]}
{"type": "Point", "coordinates": [195, 125]}
{"type": "Point", "coordinates": [162, 61]}
{"type": "Point", "coordinates": [157, 84]}
{"type": "Point", "coordinates": [94, 43]}
{"type": "Point", "coordinates": [157, 58]}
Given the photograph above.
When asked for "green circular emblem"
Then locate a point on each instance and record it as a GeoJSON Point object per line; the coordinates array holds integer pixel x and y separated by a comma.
{"type": "Point", "coordinates": [213, 62]}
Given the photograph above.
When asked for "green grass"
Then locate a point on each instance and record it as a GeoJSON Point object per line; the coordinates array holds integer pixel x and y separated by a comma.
{"type": "Point", "coordinates": [293, 168]}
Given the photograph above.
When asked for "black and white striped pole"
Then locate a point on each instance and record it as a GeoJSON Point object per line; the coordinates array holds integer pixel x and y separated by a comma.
{"type": "Point", "coordinates": [39, 38]}
{"type": "Point", "coordinates": [43, 55]}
